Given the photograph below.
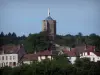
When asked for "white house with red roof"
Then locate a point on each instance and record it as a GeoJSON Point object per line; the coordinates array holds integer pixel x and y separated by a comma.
{"type": "Point", "coordinates": [39, 56]}
{"type": "Point", "coordinates": [91, 54]}
{"type": "Point", "coordinates": [10, 55]}
{"type": "Point", "coordinates": [29, 58]}
{"type": "Point", "coordinates": [70, 52]}
{"type": "Point", "coordinates": [85, 51]}
{"type": "Point", "coordinates": [46, 54]}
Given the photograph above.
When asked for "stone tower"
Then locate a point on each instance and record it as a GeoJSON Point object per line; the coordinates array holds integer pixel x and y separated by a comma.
{"type": "Point", "coordinates": [49, 25]}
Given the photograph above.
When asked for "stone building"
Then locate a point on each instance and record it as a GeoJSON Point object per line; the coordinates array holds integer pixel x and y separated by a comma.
{"type": "Point", "coordinates": [49, 25]}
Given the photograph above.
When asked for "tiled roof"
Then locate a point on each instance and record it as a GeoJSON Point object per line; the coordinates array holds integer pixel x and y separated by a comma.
{"type": "Point", "coordinates": [90, 48]}
{"type": "Point", "coordinates": [97, 53]}
{"type": "Point", "coordinates": [9, 49]}
{"type": "Point", "coordinates": [70, 53]}
{"type": "Point", "coordinates": [30, 57]}
{"type": "Point", "coordinates": [45, 52]}
{"type": "Point", "coordinates": [79, 49]}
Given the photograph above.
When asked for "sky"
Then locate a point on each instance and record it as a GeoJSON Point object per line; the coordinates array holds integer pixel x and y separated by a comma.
{"type": "Point", "coordinates": [72, 16]}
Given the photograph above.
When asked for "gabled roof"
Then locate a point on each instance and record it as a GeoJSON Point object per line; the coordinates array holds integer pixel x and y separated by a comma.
{"type": "Point", "coordinates": [70, 53]}
{"type": "Point", "coordinates": [29, 57]}
{"type": "Point", "coordinates": [97, 53]}
{"type": "Point", "coordinates": [13, 49]}
{"type": "Point", "coordinates": [80, 49]}
{"type": "Point", "coordinates": [45, 53]}
{"type": "Point", "coordinates": [90, 48]}
{"type": "Point", "coordinates": [9, 49]}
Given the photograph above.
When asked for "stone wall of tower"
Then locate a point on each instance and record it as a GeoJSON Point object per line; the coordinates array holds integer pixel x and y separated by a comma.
{"type": "Point", "coordinates": [44, 25]}
{"type": "Point", "coordinates": [50, 27]}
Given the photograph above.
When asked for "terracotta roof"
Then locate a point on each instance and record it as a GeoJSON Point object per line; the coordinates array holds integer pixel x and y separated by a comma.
{"type": "Point", "coordinates": [10, 49]}
{"type": "Point", "coordinates": [90, 49]}
{"type": "Point", "coordinates": [70, 53]}
{"type": "Point", "coordinates": [30, 57]}
{"type": "Point", "coordinates": [45, 52]}
{"type": "Point", "coordinates": [79, 49]}
{"type": "Point", "coordinates": [97, 53]}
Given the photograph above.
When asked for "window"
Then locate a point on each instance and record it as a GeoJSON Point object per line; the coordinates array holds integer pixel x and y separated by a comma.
{"type": "Point", "coordinates": [93, 59]}
{"type": "Point", "coordinates": [14, 63]}
{"type": "Point", "coordinates": [85, 53]}
{"type": "Point", "coordinates": [6, 63]}
{"type": "Point", "coordinates": [13, 57]}
{"type": "Point", "coordinates": [2, 57]}
{"type": "Point", "coordinates": [6, 58]}
{"type": "Point", "coordinates": [46, 56]}
{"type": "Point", "coordinates": [10, 63]}
{"type": "Point", "coordinates": [10, 57]}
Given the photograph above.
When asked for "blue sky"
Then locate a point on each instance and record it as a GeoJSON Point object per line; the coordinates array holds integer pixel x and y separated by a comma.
{"type": "Point", "coordinates": [72, 16]}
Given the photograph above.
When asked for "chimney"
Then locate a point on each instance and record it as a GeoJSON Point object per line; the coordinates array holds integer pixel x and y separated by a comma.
{"type": "Point", "coordinates": [94, 48]}
{"type": "Point", "coordinates": [69, 48]}
{"type": "Point", "coordinates": [85, 47]}
{"type": "Point", "coordinates": [3, 50]}
{"type": "Point", "coordinates": [34, 52]}
{"type": "Point", "coordinates": [19, 47]}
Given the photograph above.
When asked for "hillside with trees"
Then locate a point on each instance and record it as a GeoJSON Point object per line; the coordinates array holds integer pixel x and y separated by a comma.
{"type": "Point", "coordinates": [39, 41]}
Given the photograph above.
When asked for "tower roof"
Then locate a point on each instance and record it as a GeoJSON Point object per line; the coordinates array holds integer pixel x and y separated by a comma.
{"type": "Point", "coordinates": [49, 17]}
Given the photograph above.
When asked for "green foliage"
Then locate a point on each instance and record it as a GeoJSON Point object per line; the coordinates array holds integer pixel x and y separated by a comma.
{"type": "Point", "coordinates": [40, 41]}
{"type": "Point", "coordinates": [10, 38]}
{"type": "Point", "coordinates": [58, 66]}
{"type": "Point", "coordinates": [36, 42]}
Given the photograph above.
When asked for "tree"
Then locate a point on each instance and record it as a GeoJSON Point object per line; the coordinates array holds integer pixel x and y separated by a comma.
{"type": "Point", "coordinates": [2, 34]}
{"type": "Point", "coordinates": [37, 42]}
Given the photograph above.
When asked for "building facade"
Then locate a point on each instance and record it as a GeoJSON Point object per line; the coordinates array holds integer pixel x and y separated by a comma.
{"type": "Point", "coordinates": [93, 56]}
{"type": "Point", "coordinates": [39, 56]}
{"type": "Point", "coordinates": [10, 55]}
{"type": "Point", "coordinates": [8, 60]}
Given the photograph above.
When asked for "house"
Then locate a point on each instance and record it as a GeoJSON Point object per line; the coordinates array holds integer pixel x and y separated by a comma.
{"type": "Point", "coordinates": [29, 58]}
{"type": "Point", "coordinates": [46, 54]}
{"type": "Point", "coordinates": [10, 55]}
{"type": "Point", "coordinates": [39, 56]}
{"type": "Point", "coordinates": [8, 60]}
{"type": "Point", "coordinates": [91, 54]}
{"type": "Point", "coordinates": [70, 54]}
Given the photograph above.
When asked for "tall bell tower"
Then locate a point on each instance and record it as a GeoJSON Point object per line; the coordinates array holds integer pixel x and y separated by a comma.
{"type": "Point", "coordinates": [49, 25]}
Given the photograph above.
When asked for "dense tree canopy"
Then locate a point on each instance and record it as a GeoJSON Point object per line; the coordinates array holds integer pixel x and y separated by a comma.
{"type": "Point", "coordinates": [36, 42]}
{"type": "Point", "coordinates": [39, 41]}
{"type": "Point", "coordinates": [10, 38]}
{"type": "Point", "coordinates": [58, 66]}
